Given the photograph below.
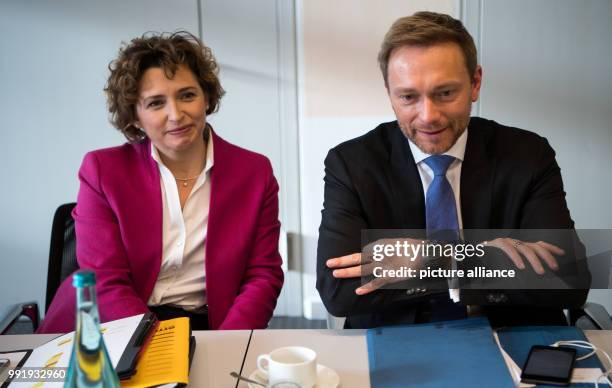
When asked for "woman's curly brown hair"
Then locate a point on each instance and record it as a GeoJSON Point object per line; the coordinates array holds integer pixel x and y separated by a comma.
{"type": "Point", "coordinates": [166, 51]}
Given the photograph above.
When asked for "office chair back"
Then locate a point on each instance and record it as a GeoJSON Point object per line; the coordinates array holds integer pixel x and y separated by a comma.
{"type": "Point", "coordinates": [62, 252]}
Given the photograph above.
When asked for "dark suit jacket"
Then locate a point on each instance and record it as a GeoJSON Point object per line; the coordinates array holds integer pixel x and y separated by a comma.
{"type": "Point", "coordinates": [509, 180]}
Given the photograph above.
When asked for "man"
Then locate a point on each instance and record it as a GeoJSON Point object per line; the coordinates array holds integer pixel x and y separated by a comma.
{"type": "Point", "coordinates": [494, 177]}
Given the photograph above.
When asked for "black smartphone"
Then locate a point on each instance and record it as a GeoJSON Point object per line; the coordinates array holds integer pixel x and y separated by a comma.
{"type": "Point", "coordinates": [549, 365]}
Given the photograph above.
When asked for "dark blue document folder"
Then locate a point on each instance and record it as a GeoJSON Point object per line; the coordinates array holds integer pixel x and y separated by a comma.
{"type": "Point", "coordinates": [459, 353]}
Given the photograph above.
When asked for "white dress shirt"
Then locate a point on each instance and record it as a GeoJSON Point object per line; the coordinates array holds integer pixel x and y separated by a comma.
{"type": "Point", "coordinates": [182, 277]}
{"type": "Point", "coordinates": [453, 174]}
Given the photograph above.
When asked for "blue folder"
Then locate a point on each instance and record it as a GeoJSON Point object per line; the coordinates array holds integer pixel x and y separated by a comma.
{"type": "Point", "coordinates": [517, 341]}
{"type": "Point", "coordinates": [460, 353]}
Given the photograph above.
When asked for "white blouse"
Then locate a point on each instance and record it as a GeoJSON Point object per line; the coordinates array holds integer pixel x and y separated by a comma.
{"type": "Point", "coordinates": [182, 277]}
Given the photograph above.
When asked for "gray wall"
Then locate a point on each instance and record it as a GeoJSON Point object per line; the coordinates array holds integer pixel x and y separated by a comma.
{"type": "Point", "coordinates": [547, 69]}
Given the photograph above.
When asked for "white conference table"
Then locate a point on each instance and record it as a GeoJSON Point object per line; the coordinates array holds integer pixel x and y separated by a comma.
{"type": "Point", "coordinates": [344, 351]}
{"type": "Point", "coordinates": [220, 352]}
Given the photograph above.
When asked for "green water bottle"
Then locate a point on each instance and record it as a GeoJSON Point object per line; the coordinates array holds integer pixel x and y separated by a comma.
{"type": "Point", "coordinates": [89, 364]}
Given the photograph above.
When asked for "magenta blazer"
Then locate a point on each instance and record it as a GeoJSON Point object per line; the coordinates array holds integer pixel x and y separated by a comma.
{"type": "Point", "coordinates": [119, 236]}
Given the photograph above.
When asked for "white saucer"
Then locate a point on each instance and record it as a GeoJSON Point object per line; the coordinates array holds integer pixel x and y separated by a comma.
{"type": "Point", "coordinates": [326, 378]}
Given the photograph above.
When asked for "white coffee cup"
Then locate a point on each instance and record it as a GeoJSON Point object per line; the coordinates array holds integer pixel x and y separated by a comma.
{"type": "Point", "coordinates": [290, 364]}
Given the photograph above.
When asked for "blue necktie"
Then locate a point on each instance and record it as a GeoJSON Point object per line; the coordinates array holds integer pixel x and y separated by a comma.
{"type": "Point", "coordinates": [440, 207]}
{"type": "Point", "coordinates": [442, 224]}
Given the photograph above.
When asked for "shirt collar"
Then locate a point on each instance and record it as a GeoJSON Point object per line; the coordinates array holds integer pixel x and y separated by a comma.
{"type": "Point", "coordinates": [457, 150]}
{"type": "Point", "coordinates": [210, 160]}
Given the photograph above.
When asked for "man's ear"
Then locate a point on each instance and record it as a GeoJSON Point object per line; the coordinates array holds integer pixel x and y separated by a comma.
{"type": "Point", "coordinates": [476, 83]}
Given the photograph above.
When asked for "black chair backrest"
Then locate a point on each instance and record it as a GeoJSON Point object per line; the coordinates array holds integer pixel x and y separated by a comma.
{"type": "Point", "coordinates": [62, 252]}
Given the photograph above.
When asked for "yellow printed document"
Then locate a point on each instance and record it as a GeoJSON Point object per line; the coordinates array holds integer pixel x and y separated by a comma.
{"type": "Point", "coordinates": [166, 358]}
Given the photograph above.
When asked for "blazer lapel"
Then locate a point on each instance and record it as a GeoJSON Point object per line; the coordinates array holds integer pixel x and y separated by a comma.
{"type": "Point", "coordinates": [146, 217]}
{"type": "Point", "coordinates": [477, 173]}
{"type": "Point", "coordinates": [217, 193]}
{"type": "Point", "coordinates": [218, 230]}
{"type": "Point", "coordinates": [406, 182]}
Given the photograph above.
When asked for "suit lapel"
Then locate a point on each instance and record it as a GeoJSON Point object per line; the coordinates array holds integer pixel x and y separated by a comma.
{"type": "Point", "coordinates": [477, 173]}
{"type": "Point", "coordinates": [406, 182]}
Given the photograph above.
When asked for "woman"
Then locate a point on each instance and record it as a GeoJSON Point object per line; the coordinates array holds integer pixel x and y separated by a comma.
{"type": "Point", "coordinates": [177, 221]}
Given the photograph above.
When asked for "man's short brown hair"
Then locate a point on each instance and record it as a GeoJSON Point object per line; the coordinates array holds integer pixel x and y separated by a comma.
{"type": "Point", "coordinates": [424, 29]}
{"type": "Point", "coordinates": [161, 50]}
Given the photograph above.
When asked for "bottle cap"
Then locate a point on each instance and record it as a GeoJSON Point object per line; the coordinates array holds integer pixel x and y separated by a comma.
{"type": "Point", "coordinates": [84, 279]}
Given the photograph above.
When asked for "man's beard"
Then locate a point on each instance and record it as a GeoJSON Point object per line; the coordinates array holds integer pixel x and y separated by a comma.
{"type": "Point", "coordinates": [432, 147]}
